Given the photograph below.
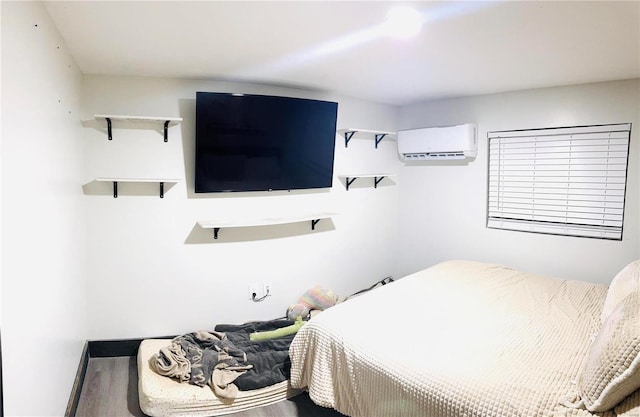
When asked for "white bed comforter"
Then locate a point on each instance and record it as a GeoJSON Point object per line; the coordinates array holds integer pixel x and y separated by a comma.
{"type": "Point", "coordinates": [458, 339]}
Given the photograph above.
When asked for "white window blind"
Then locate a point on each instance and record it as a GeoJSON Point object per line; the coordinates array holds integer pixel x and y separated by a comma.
{"type": "Point", "coordinates": [564, 181]}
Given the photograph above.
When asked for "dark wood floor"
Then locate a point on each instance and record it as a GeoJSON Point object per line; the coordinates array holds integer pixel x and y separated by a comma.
{"type": "Point", "coordinates": [110, 389]}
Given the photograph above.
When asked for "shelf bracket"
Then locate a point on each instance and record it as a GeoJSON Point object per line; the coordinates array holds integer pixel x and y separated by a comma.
{"type": "Point", "coordinates": [115, 189]}
{"type": "Point", "coordinates": [350, 181]}
{"type": "Point", "coordinates": [347, 138]}
{"type": "Point", "coordinates": [215, 232]}
{"type": "Point", "coordinates": [109, 135]}
{"type": "Point", "coordinates": [161, 189]}
{"type": "Point", "coordinates": [379, 138]}
{"type": "Point", "coordinates": [376, 181]}
{"type": "Point", "coordinates": [166, 130]}
{"type": "Point", "coordinates": [313, 223]}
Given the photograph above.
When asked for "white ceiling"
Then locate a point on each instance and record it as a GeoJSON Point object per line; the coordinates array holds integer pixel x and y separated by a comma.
{"type": "Point", "coordinates": [464, 48]}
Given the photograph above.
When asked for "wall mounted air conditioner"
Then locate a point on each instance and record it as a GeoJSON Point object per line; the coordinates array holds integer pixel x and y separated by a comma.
{"type": "Point", "coordinates": [437, 143]}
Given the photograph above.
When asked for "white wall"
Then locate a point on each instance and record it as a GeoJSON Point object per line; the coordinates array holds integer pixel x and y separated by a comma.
{"type": "Point", "coordinates": [443, 206]}
{"type": "Point", "coordinates": [152, 271]}
{"type": "Point", "coordinates": [43, 256]}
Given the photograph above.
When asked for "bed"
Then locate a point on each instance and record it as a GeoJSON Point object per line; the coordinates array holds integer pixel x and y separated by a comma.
{"type": "Point", "coordinates": [470, 339]}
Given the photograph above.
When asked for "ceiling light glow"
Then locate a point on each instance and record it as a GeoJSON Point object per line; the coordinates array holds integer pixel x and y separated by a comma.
{"type": "Point", "coordinates": [403, 22]}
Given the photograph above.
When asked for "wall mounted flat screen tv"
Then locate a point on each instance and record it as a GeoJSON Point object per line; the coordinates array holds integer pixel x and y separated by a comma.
{"type": "Point", "coordinates": [262, 143]}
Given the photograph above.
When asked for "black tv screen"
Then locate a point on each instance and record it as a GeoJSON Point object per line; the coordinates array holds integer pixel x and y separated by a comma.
{"type": "Point", "coordinates": [262, 143]}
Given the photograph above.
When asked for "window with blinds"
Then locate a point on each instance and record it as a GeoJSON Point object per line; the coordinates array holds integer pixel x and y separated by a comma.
{"type": "Point", "coordinates": [562, 181]}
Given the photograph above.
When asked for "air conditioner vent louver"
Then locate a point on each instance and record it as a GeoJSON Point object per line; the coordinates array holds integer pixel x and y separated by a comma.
{"type": "Point", "coordinates": [433, 155]}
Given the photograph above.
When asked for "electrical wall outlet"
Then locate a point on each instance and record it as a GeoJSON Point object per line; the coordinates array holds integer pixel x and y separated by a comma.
{"type": "Point", "coordinates": [253, 291]}
{"type": "Point", "coordinates": [268, 289]}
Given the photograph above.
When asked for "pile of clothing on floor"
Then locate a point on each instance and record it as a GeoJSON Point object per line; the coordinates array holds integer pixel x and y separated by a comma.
{"type": "Point", "coordinates": [231, 357]}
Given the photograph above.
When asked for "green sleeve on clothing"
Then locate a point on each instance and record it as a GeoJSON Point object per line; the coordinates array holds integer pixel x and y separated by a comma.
{"type": "Point", "coordinates": [273, 334]}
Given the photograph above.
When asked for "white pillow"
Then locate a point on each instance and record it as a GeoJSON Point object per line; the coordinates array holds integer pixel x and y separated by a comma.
{"type": "Point", "coordinates": [624, 283]}
{"type": "Point", "coordinates": [612, 369]}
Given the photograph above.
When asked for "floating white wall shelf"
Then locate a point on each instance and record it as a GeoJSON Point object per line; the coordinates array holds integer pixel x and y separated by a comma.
{"type": "Point", "coordinates": [115, 182]}
{"type": "Point", "coordinates": [377, 135]}
{"type": "Point", "coordinates": [216, 225]}
{"type": "Point", "coordinates": [166, 121]}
